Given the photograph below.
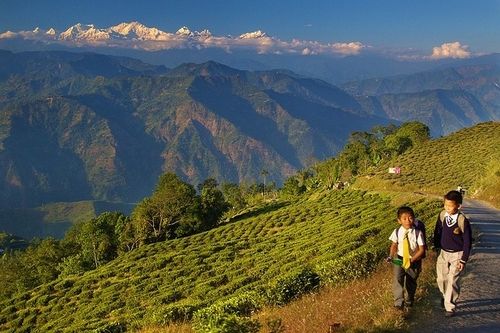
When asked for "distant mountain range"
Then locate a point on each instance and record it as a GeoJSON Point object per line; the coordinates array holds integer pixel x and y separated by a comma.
{"type": "Point", "coordinates": [446, 99]}
{"type": "Point", "coordinates": [86, 126]}
{"type": "Point", "coordinates": [333, 62]}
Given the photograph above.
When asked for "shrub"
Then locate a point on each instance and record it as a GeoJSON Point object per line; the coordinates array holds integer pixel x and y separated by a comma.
{"type": "Point", "coordinates": [346, 268]}
{"type": "Point", "coordinates": [230, 316]}
{"type": "Point", "coordinates": [64, 284]}
{"type": "Point", "coordinates": [227, 323]}
{"type": "Point", "coordinates": [43, 300]}
{"type": "Point", "coordinates": [291, 286]}
{"type": "Point", "coordinates": [114, 327]}
{"type": "Point", "coordinates": [172, 313]}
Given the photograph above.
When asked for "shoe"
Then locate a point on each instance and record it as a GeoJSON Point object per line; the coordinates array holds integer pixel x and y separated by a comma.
{"type": "Point", "coordinates": [398, 307]}
{"type": "Point", "coordinates": [408, 304]}
{"type": "Point", "coordinates": [449, 314]}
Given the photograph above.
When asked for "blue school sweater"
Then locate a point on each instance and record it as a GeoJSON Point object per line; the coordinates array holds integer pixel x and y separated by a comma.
{"type": "Point", "coordinates": [452, 239]}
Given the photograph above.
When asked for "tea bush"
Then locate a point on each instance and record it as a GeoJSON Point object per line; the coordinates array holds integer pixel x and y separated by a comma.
{"type": "Point", "coordinates": [291, 286]}
{"type": "Point", "coordinates": [232, 315]}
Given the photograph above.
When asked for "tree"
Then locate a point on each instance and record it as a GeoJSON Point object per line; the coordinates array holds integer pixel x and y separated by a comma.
{"type": "Point", "coordinates": [13, 275]}
{"type": "Point", "coordinates": [417, 132]}
{"type": "Point", "coordinates": [328, 172]}
{"type": "Point", "coordinates": [147, 222]}
{"type": "Point", "coordinates": [42, 257]}
{"type": "Point", "coordinates": [292, 186]}
{"type": "Point", "coordinates": [213, 204]}
{"type": "Point", "coordinates": [380, 131]}
{"type": "Point", "coordinates": [89, 244]}
{"type": "Point", "coordinates": [158, 216]}
{"type": "Point", "coordinates": [354, 156]}
{"type": "Point", "coordinates": [96, 241]}
{"type": "Point", "coordinates": [127, 236]}
{"type": "Point", "coordinates": [396, 144]}
{"type": "Point", "coordinates": [264, 173]}
{"type": "Point", "coordinates": [24, 270]}
{"type": "Point", "coordinates": [233, 195]}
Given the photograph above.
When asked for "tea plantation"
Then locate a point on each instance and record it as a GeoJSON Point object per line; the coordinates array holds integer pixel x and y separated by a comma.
{"type": "Point", "coordinates": [279, 252]}
{"type": "Point", "coordinates": [469, 157]}
{"type": "Point", "coordinates": [273, 253]}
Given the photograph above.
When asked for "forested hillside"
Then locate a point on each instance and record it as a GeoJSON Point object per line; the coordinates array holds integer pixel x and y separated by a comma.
{"type": "Point", "coordinates": [90, 127]}
{"type": "Point", "coordinates": [83, 126]}
{"type": "Point", "coordinates": [446, 99]}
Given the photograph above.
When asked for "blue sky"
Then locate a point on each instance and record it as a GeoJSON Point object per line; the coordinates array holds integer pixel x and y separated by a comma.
{"type": "Point", "coordinates": [391, 24]}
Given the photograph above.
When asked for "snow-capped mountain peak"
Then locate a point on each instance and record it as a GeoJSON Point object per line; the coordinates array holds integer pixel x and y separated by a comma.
{"type": "Point", "coordinates": [76, 31]}
{"type": "Point", "coordinates": [126, 28]}
{"type": "Point", "coordinates": [184, 31]}
{"type": "Point", "coordinates": [135, 35]}
{"type": "Point", "coordinates": [138, 30]}
{"type": "Point", "coordinates": [204, 33]}
{"type": "Point", "coordinates": [253, 35]}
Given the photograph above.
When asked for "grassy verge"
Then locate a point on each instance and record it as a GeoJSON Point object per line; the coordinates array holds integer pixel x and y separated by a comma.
{"type": "Point", "coordinates": [364, 305]}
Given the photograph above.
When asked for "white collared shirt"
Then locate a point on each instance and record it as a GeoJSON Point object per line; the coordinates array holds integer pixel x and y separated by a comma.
{"type": "Point", "coordinates": [454, 219]}
{"type": "Point", "coordinates": [414, 235]}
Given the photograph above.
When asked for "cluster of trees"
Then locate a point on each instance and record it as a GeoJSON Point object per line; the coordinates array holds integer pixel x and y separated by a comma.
{"type": "Point", "coordinates": [175, 209]}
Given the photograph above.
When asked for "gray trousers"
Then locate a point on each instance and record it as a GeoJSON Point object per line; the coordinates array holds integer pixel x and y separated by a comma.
{"type": "Point", "coordinates": [405, 279]}
{"type": "Point", "coordinates": [448, 277]}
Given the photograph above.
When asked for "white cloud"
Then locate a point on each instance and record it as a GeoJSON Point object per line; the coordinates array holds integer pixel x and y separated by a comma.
{"type": "Point", "coordinates": [307, 51]}
{"type": "Point", "coordinates": [450, 50]}
{"type": "Point", "coordinates": [8, 35]}
{"type": "Point", "coordinates": [348, 48]}
{"type": "Point", "coordinates": [136, 35]}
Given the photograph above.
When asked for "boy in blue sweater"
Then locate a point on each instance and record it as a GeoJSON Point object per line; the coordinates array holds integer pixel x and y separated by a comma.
{"type": "Point", "coordinates": [453, 236]}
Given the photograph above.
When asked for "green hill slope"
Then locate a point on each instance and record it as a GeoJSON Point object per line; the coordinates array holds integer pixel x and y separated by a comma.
{"type": "Point", "coordinates": [469, 157]}
{"type": "Point", "coordinates": [278, 252]}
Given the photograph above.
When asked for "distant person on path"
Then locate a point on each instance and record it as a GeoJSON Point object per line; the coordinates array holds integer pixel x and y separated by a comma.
{"type": "Point", "coordinates": [453, 236]}
{"type": "Point", "coordinates": [406, 252]}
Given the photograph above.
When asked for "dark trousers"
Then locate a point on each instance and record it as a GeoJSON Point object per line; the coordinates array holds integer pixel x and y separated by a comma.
{"type": "Point", "coordinates": [405, 280]}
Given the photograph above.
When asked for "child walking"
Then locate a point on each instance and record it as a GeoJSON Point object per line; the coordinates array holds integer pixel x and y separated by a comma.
{"type": "Point", "coordinates": [408, 245]}
{"type": "Point", "coordinates": [453, 235]}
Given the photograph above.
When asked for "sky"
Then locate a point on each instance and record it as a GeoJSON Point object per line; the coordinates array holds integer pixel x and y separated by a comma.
{"type": "Point", "coordinates": [380, 24]}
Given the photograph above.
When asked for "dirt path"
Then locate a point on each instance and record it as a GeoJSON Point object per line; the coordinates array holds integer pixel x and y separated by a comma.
{"type": "Point", "coordinates": [478, 309]}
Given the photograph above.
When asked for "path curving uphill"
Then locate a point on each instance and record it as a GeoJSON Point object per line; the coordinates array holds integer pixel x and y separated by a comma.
{"type": "Point", "coordinates": [478, 308]}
